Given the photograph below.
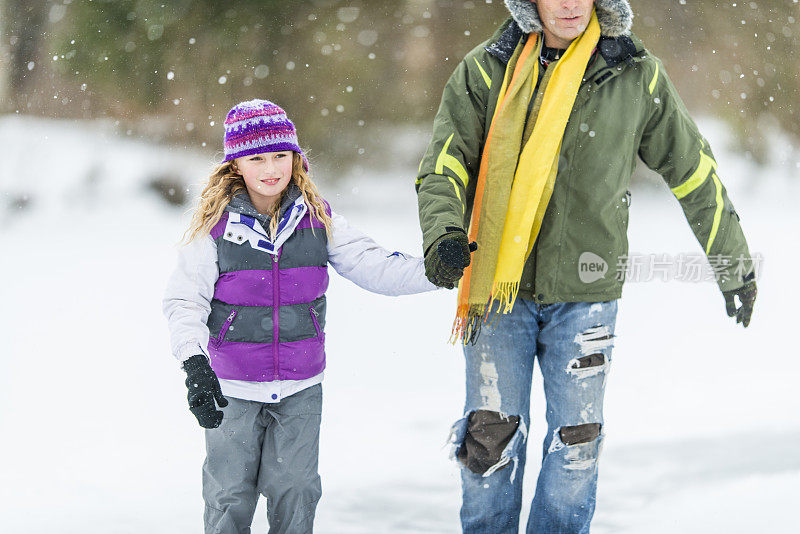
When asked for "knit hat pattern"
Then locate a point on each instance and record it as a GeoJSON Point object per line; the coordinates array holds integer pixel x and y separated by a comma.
{"type": "Point", "coordinates": [258, 126]}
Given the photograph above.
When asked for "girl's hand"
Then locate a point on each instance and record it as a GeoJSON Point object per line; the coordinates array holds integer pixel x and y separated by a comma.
{"type": "Point", "coordinates": [204, 389]}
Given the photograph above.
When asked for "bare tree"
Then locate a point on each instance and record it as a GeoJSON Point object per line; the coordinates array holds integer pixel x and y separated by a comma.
{"type": "Point", "coordinates": [22, 29]}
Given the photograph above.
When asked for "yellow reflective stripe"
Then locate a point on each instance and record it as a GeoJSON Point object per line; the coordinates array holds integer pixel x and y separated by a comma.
{"type": "Point", "coordinates": [455, 165]}
{"type": "Point", "coordinates": [717, 213]}
{"type": "Point", "coordinates": [707, 163]}
{"type": "Point", "coordinates": [446, 160]}
{"type": "Point", "coordinates": [653, 82]}
{"type": "Point", "coordinates": [455, 186]}
{"type": "Point", "coordinates": [486, 77]}
{"type": "Point", "coordinates": [440, 160]}
{"type": "Point", "coordinates": [419, 169]}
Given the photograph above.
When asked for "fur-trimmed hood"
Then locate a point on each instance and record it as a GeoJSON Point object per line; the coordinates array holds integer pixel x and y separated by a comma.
{"type": "Point", "coordinates": [615, 16]}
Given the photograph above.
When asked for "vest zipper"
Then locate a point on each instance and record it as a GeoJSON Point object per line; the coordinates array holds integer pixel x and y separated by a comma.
{"type": "Point", "coordinates": [275, 312]}
{"type": "Point", "coordinates": [225, 326]}
{"type": "Point", "coordinates": [315, 320]}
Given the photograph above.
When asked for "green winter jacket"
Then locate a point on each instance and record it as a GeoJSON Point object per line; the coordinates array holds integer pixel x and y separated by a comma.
{"type": "Point", "coordinates": [626, 106]}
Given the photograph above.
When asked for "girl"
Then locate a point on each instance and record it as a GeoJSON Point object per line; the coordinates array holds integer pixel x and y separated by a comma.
{"type": "Point", "coordinates": [246, 312]}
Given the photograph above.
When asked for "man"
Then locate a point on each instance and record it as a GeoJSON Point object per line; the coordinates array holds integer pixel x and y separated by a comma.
{"type": "Point", "coordinates": [533, 148]}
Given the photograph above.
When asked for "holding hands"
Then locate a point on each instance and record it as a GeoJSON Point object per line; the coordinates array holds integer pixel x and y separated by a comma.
{"type": "Point", "coordinates": [447, 258]}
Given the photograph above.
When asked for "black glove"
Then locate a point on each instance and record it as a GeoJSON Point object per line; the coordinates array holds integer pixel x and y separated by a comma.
{"type": "Point", "coordinates": [747, 297]}
{"type": "Point", "coordinates": [447, 258]}
{"type": "Point", "coordinates": [203, 390]}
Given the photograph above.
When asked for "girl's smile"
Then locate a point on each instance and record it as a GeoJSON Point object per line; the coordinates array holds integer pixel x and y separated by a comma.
{"type": "Point", "coordinates": [266, 175]}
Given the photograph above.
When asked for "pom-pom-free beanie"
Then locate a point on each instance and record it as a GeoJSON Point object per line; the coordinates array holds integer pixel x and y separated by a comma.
{"type": "Point", "coordinates": [258, 126]}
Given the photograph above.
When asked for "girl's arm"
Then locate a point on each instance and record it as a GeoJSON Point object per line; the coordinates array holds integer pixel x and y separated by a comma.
{"type": "Point", "coordinates": [187, 299]}
{"type": "Point", "coordinates": [361, 260]}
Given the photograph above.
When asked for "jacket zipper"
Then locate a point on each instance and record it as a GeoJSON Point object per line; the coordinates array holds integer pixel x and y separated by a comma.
{"type": "Point", "coordinates": [275, 312]}
{"type": "Point", "coordinates": [225, 326]}
{"type": "Point", "coordinates": [315, 320]}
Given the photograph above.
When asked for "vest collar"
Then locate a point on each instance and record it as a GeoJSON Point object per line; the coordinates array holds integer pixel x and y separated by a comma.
{"type": "Point", "coordinates": [241, 203]}
{"type": "Point", "coordinates": [248, 227]}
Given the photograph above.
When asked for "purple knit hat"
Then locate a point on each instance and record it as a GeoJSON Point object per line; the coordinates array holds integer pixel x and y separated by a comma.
{"type": "Point", "coordinates": [259, 126]}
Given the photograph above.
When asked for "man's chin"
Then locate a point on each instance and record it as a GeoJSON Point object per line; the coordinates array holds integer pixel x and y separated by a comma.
{"type": "Point", "coordinates": [570, 34]}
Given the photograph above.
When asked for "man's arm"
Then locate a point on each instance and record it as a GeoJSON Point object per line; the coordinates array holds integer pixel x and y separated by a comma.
{"type": "Point", "coordinates": [672, 146]}
{"type": "Point", "coordinates": [453, 156]}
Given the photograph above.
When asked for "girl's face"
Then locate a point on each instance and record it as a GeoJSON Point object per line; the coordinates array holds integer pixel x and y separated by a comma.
{"type": "Point", "coordinates": [266, 175]}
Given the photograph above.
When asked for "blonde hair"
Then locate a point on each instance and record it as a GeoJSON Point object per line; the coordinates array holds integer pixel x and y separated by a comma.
{"type": "Point", "coordinates": [225, 182]}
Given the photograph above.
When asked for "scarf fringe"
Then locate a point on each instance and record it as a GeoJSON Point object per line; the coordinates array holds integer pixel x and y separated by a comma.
{"type": "Point", "coordinates": [467, 324]}
{"type": "Point", "coordinates": [470, 317]}
{"type": "Point", "coordinates": [504, 294]}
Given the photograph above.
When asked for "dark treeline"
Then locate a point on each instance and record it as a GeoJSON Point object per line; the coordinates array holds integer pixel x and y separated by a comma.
{"type": "Point", "coordinates": [171, 69]}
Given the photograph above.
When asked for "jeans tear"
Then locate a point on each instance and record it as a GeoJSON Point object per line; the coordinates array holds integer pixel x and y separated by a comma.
{"type": "Point", "coordinates": [582, 445]}
{"type": "Point", "coordinates": [510, 453]}
{"type": "Point", "coordinates": [593, 342]}
{"type": "Point", "coordinates": [577, 434]}
{"type": "Point", "coordinates": [592, 360]}
{"type": "Point", "coordinates": [595, 339]}
{"type": "Point", "coordinates": [457, 434]}
{"type": "Point", "coordinates": [588, 366]}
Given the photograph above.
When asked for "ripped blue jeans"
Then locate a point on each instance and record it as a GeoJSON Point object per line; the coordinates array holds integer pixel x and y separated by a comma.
{"type": "Point", "coordinates": [572, 342]}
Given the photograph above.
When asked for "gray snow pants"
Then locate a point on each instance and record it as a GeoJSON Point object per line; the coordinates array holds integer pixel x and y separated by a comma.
{"type": "Point", "coordinates": [266, 448]}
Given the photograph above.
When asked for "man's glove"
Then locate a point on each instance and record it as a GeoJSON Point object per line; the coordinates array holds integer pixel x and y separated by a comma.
{"type": "Point", "coordinates": [447, 258]}
{"type": "Point", "coordinates": [747, 297]}
{"type": "Point", "coordinates": [203, 391]}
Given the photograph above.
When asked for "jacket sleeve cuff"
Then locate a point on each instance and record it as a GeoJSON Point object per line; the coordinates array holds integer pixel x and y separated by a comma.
{"type": "Point", "coordinates": [729, 283]}
{"type": "Point", "coordinates": [736, 274]}
{"type": "Point", "coordinates": [435, 233]}
{"type": "Point", "coordinates": [189, 349]}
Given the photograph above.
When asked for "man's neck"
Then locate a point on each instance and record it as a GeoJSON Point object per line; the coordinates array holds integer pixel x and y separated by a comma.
{"type": "Point", "coordinates": [548, 55]}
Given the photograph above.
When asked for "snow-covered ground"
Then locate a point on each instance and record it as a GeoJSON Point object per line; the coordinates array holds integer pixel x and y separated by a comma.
{"type": "Point", "coordinates": [701, 415]}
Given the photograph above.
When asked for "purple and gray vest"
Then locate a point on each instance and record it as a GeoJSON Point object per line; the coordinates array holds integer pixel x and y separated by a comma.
{"type": "Point", "coordinates": [268, 311]}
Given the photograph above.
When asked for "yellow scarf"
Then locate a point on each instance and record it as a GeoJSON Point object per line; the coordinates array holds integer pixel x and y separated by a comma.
{"type": "Point", "coordinates": [513, 188]}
